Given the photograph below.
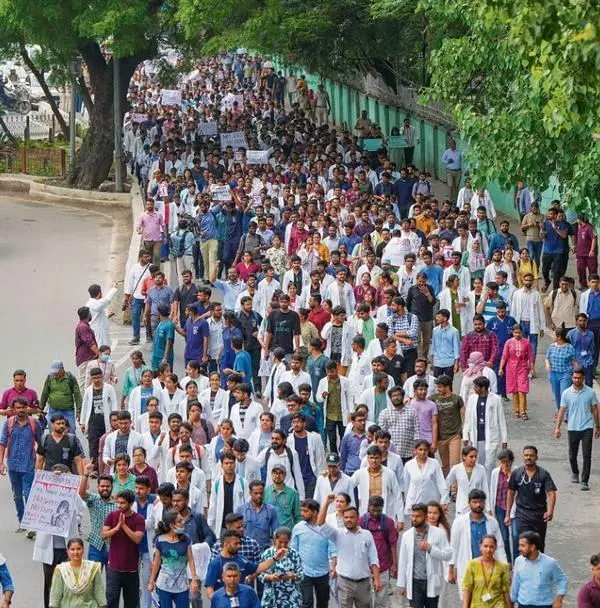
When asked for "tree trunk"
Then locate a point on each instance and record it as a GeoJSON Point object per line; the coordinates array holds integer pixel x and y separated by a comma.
{"type": "Point", "coordinates": [64, 127]}
{"type": "Point", "coordinates": [94, 158]}
{"type": "Point", "coordinates": [7, 132]}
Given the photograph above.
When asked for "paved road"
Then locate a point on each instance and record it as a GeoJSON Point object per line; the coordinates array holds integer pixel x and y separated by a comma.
{"type": "Point", "coordinates": [60, 279]}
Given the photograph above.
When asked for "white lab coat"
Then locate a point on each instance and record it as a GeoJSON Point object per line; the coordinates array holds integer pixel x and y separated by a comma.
{"type": "Point", "coordinates": [288, 278]}
{"type": "Point", "coordinates": [293, 477]}
{"type": "Point", "coordinates": [409, 386]}
{"type": "Point", "coordinates": [393, 506]}
{"type": "Point", "coordinates": [345, 392]}
{"type": "Point", "coordinates": [153, 453]}
{"type": "Point", "coordinates": [478, 481]}
{"type": "Point", "coordinates": [250, 469]}
{"type": "Point", "coordinates": [323, 489]}
{"type": "Point", "coordinates": [368, 382]}
{"type": "Point", "coordinates": [201, 381]}
{"type": "Point", "coordinates": [439, 553]}
{"type": "Point", "coordinates": [134, 403]}
{"type": "Point", "coordinates": [347, 334]}
{"type": "Point", "coordinates": [367, 397]}
{"type": "Point", "coordinates": [495, 422]}
{"type": "Point", "coordinates": [332, 293]}
{"type": "Point", "coordinates": [423, 485]}
{"type": "Point", "coordinates": [216, 504]}
{"type": "Point", "coordinates": [316, 451]}
{"type": "Point", "coordinates": [109, 404]}
{"type": "Point", "coordinates": [445, 300]}
{"type": "Point", "coordinates": [360, 368]}
{"type": "Point", "coordinates": [494, 493]}
{"type": "Point", "coordinates": [198, 494]}
{"type": "Point", "coordinates": [466, 384]}
{"type": "Point", "coordinates": [171, 405]}
{"type": "Point", "coordinates": [135, 440]}
{"type": "Point", "coordinates": [295, 380]}
{"type": "Point", "coordinates": [486, 202]}
{"type": "Point", "coordinates": [464, 275]}
{"type": "Point", "coordinates": [460, 541]}
{"type": "Point", "coordinates": [182, 409]}
{"type": "Point", "coordinates": [99, 322]}
{"type": "Point", "coordinates": [251, 420]}
{"type": "Point", "coordinates": [220, 403]}
{"type": "Point", "coordinates": [536, 312]}
{"type": "Point", "coordinates": [264, 294]}
{"type": "Point", "coordinates": [253, 442]}
{"type": "Point", "coordinates": [393, 463]}
{"type": "Point", "coordinates": [274, 380]}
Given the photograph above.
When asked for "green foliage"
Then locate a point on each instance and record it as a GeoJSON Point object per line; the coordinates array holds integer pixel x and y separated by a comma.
{"type": "Point", "coordinates": [524, 82]}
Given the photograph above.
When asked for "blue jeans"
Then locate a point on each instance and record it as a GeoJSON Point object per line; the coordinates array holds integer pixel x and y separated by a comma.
{"type": "Point", "coordinates": [501, 379]}
{"type": "Point", "coordinates": [21, 485]}
{"type": "Point", "coordinates": [560, 382]}
{"type": "Point", "coordinates": [535, 251]}
{"type": "Point", "coordinates": [145, 569]}
{"type": "Point", "coordinates": [168, 600]}
{"type": "Point", "coordinates": [137, 306]}
{"type": "Point", "coordinates": [68, 414]}
{"type": "Point", "coordinates": [506, 532]}
{"type": "Point", "coordinates": [533, 338]}
{"type": "Point", "coordinates": [98, 556]}
{"type": "Point", "coordinates": [589, 375]}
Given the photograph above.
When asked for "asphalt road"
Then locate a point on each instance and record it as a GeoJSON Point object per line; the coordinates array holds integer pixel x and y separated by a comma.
{"type": "Point", "coordinates": [49, 256]}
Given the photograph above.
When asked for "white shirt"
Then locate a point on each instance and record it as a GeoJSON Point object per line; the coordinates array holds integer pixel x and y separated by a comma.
{"type": "Point", "coordinates": [356, 552]}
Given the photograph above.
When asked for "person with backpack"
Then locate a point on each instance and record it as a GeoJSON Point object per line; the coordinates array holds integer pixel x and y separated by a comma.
{"type": "Point", "coordinates": [280, 453]}
{"type": "Point", "coordinates": [182, 246]}
{"type": "Point", "coordinates": [562, 305]}
{"type": "Point", "coordinates": [385, 535]}
{"type": "Point", "coordinates": [61, 394]}
{"type": "Point", "coordinates": [58, 446]}
{"type": "Point", "coordinates": [19, 437]}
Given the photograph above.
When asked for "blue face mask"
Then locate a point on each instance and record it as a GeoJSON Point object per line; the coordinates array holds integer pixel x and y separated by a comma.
{"type": "Point", "coordinates": [105, 358]}
{"type": "Point", "coordinates": [179, 531]}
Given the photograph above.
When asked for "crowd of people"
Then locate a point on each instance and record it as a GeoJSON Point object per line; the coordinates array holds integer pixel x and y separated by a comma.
{"type": "Point", "coordinates": [350, 345]}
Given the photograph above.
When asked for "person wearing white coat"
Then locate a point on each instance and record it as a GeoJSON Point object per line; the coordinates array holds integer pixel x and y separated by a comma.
{"type": "Point", "coordinates": [438, 552]}
{"type": "Point", "coordinates": [98, 305]}
{"type": "Point", "coordinates": [423, 479]}
{"type": "Point", "coordinates": [496, 435]}
{"type": "Point", "coordinates": [466, 384]}
{"type": "Point", "coordinates": [474, 479]}
{"type": "Point", "coordinates": [134, 404]}
{"type": "Point", "coordinates": [296, 376]}
{"type": "Point", "coordinates": [217, 497]}
{"type": "Point", "coordinates": [333, 293]}
{"type": "Point", "coordinates": [109, 404]}
{"type": "Point", "coordinates": [482, 198]}
{"type": "Point", "coordinates": [264, 295]}
{"type": "Point", "coordinates": [274, 380]}
{"type": "Point", "coordinates": [367, 397]}
{"type": "Point", "coordinates": [360, 368]}
{"type": "Point", "coordinates": [462, 272]}
{"type": "Point", "coordinates": [393, 505]}
{"type": "Point", "coordinates": [169, 404]}
{"type": "Point", "coordinates": [460, 541]}
{"type": "Point", "coordinates": [465, 312]}
{"type": "Point", "coordinates": [527, 304]}
{"type": "Point", "coordinates": [314, 448]}
{"type": "Point", "coordinates": [324, 486]}
{"type": "Point", "coordinates": [220, 401]}
{"type": "Point", "coordinates": [347, 335]}
{"type": "Point", "coordinates": [346, 402]}
{"type": "Point", "coordinates": [134, 440]}
{"type": "Point", "coordinates": [288, 278]}
{"type": "Point", "coordinates": [253, 410]}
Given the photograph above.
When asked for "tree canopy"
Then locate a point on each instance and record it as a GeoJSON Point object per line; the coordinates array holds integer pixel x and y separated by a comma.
{"type": "Point", "coordinates": [523, 80]}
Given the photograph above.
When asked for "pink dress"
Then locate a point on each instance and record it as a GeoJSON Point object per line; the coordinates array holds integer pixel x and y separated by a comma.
{"type": "Point", "coordinates": [516, 354]}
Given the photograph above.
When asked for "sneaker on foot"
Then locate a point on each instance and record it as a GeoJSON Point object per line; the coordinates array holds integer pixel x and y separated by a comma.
{"type": "Point", "coordinates": [574, 478]}
{"type": "Point", "coordinates": [20, 530]}
{"type": "Point", "coordinates": [585, 487]}
{"type": "Point", "coordinates": [134, 342]}
{"type": "Point", "coordinates": [30, 534]}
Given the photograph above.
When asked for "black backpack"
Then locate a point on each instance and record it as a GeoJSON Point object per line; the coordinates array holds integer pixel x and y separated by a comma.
{"type": "Point", "coordinates": [290, 456]}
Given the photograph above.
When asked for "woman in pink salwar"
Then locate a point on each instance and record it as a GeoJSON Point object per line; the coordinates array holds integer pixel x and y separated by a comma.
{"type": "Point", "coordinates": [517, 362]}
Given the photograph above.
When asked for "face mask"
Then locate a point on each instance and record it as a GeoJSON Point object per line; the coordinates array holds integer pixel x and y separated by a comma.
{"type": "Point", "coordinates": [179, 531]}
{"type": "Point", "coordinates": [105, 358]}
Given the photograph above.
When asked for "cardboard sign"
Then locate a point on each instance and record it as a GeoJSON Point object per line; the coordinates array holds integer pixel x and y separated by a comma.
{"type": "Point", "coordinates": [52, 503]}
{"type": "Point", "coordinates": [236, 140]}
{"type": "Point", "coordinates": [136, 117]}
{"type": "Point", "coordinates": [220, 193]}
{"type": "Point", "coordinates": [209, 128]}
{"type": "Point", "coordinates": [372, 145]}
{"type": "Point", "coordinates": [171, 97]}
{"type": "Point", "coordinates": [257, 157]}
{"type": "Point", "coordinates": [397, 141]}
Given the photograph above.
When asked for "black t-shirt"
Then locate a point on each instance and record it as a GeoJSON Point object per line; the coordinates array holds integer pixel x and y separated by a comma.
{"type": "Point", "coordinates": [250, 324]}
{"type": "Point", "coordinates": [185, 297]}
{"type": "Point", "coordinates": [63, 452]}
{"type": "Point", "coordinates": [283, 326]}
{"type": "Point", "coordinates": [394, 367]}
{"type": "Point", "coordinates": [227, 498]}
{"type": "Point", "coordinates": [531, 492]}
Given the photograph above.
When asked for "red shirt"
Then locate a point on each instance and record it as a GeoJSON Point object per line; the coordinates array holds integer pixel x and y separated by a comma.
{"type": "Point", "coordinates": [297, 237]}
{"type": "Point", "coordinates": [245, 271]}
{"type": "Point", "coordinates": [84, 340]}
{"type": "Point", "coordinates": [10, 394]}
{"type": "Point", "coordinates": [589, 595]}
{"type": "Point", "coordinates": [319, 317]}
{"type": "Point", "coordinates": [124, 554]}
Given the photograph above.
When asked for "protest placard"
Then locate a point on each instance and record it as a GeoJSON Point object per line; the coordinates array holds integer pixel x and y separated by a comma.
{"type": "Point", "coordinates": [137, 117]}
{"type": "Point", "coordinates": [171, 97]}
{"type": "Point", "coordinates": [220, 193]}
{"type": "Point", "coordinates": [257, 157]}
{"type": "Point", "coordinates": [52, 503]}
{"type": "Point", "coordinates": [372, 145]}
{"type": "Point", "coordinates": [235, 140]}
{"type": "Point", "coordinates": [240, 101]}
{"type": "Point", "coordinates": [209, 128]}
{"type": "Point", "coordinates": [397, 141]}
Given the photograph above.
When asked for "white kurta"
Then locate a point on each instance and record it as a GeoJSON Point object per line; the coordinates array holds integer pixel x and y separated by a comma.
{"type": "Point", "coordinates": [99, 322]}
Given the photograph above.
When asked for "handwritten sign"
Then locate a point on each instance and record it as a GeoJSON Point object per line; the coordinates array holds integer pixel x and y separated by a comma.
{"type": "Point", "coordinates": [372, 145]}
{"type": "Point", "coordinates": [171, 97]}
{"type": "Point", "coordinates": [209, 128]}
{"type": "Point", "coordinates": [240, 101]}
{"type": "Point", "coordinates": [235, 140]}
{"type": "Point", "coordinates": [397, 141]}
{"type": "Point", "coordinates": [137, 117]}
{"type": "Point", "coordinates": [257, 157]}
{"type": "Point", "coordinates": [52, 503]}
{"type": "Point", "coordinates": [220, 193]}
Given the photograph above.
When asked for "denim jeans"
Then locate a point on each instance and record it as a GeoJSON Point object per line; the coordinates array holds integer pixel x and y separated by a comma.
{"type": "Point", "coordinates": [145, 568]}
{"type": "Point", "coordinates": [98, 556]}
{"type": "Point", "coordinates": [560, 382]}
{"type": "Point", "coordinates": [533, 338]}
{"type": "Point", "coordinates": [535, 252]}
{"type": "Point", "coordinates": [175, 600]}
{"type": "Point", "coordinates": [137, 307]}
{"type": "Point", "coordinates": [21, 485]}
{"type": "Point", "coordinates": [585, 438]}
{"type": "Point", "coordinates": [68, 414]}
{"type": "Point", "coordinates": [511, 549]}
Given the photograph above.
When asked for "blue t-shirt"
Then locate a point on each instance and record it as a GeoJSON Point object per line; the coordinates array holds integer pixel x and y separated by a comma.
{"type": "Point", "coordinates": [578, 405]}
{"type": "Point", "coordinates": [301, 445]}
{"type": "Point", "coordinates": [215, 569]}
{"type": "Point", "coordinates": [553, 243]}
{"type": "Point", "coordinates": [143, 511]}
{"type": "Point", "coordinates": [195, 332]}
{"type": "Point", "coordinates": [165, 330]}
{"type": "Point", "coordinates": [172, 576]}
{"type": "Point", "coordinates": [146, 393]}
{"type": "Point", "coordinates": [243, 363]}
{"type": "Point", "coordinates": [478, 531]}
{"type": "Point", "coordinates": [245, 596]}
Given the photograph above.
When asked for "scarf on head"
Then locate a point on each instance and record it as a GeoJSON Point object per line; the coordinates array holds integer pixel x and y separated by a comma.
{"type": "Point", "coordinates": [476, 365]}
{"type": "Point", "coordinates": [79, 583]}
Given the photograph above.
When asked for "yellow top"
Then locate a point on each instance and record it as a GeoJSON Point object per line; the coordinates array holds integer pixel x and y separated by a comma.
{"type": "Point", "coordinates": [480, 581]}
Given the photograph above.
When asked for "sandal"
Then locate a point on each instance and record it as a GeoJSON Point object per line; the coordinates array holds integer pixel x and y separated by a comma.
{"type": "Point", "coordinates": [517, 416]}
{"type": "Point", "coordinates": [524, 416]}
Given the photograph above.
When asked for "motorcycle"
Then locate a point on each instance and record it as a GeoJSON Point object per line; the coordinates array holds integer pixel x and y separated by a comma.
{"type": "Point", "coordinates": [16, 100]}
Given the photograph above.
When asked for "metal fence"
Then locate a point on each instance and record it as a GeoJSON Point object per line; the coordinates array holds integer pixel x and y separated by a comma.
{"type": "Point", "coordinates": [35, 125]}
{"type": "Point", "coordinates": [50, 162]}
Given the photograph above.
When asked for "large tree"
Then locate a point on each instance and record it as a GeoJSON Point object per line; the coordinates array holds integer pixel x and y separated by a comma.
{"type": "Point", "coordinates": [523, 80]}
{"type": "Point", "coordinates": [93, 31]}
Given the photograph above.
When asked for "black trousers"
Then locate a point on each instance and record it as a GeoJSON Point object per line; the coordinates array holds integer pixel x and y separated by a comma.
{"type": "Point", "coordinates": [410, 357]}
{"type": "Point", "coordinates": [128, 582]}
{"type": "Point", "coordinates": [60, 556]}
{"type": "Point", "coordinates": [532, 522]}
{"type": "Point", "coordinates": [554, 262]}
{"type": "Point", "coordinates": [331, 426]}
{"type": "Point", "coordinates": [444, 371]}
{"type": "Point", "coordinates": [315, 586]}
{"type": "Point", "coordinates": [94, 432]}
{"type": "Point", "coordinates": [419, 595]}
{"type": "Point", "coordinates": [255, 358]}
{"type": "Point", "coordinates": [585, 438]}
